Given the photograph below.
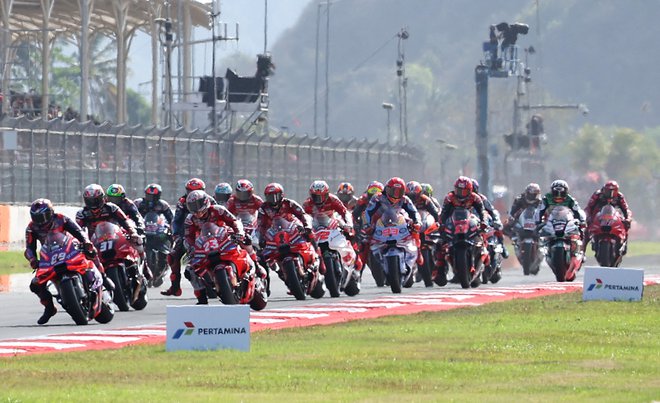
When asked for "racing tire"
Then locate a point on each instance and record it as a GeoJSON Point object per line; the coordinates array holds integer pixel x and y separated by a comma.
{"type": "Point", "coordinates": [353, 287]}
{"type": "Point", "coordinates": [605, 254]}
{"type": "Point", "coordinates": [394, 273]}
{"type": "Point", "coordinates": [427, 268]}
{"type": "Point", "coordinates": [72, 302]}
{"type": "Point", "coordinates": [331, 278]}
{"type": "Point", "coordinates": [293, 281]}
{"type": "Point", "coordinates": [260, 297]}
{"type": "Point", "coordinates": [559, 265]}
{"type": "Point", "coordinates": [462, 266]}
{"type": "Point", "coordinates": [376, 270]}
{"type": "Point", "coordinates": [120, 297]}
{"type": "Point", "coordinates": [106, 315]}
{"type": "Point", "coordinates": [225, 290]}
{"type": "Point", "coordinates": [319, 289]}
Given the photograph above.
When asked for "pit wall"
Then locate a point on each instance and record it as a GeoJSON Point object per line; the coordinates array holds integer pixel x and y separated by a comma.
{"type": "Point", "coordinates": [14, 219]}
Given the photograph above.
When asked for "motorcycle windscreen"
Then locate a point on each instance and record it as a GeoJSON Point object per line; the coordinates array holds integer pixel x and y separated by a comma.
{"type": "Point", "coordinates": [155, 223]}
{"type": "Point", "coordinates": [322, 220]}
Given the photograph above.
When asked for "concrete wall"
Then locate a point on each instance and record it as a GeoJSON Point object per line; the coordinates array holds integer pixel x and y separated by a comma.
{"type": "Point", "coordinates": [14, 219]}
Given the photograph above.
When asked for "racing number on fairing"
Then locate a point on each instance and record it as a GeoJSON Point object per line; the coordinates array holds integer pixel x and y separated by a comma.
{"type": "Point", "coordinates": [211, 245]}
{"type": "Point", "coordinates": [56, 258]}
{"type": "Point", "coordinates": [106, 245]}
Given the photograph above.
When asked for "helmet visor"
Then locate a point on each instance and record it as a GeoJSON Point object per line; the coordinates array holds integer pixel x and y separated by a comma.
{"type": "Point", "coordinates": [196, 206]}
{"type": "Point", "coordinates": [243, 195]}
{"type": "Point", "coordinates": [42, 217]}
{"type": "Point", "coordinates": [530, 197]}
{"type": "Point", "coordinates": [609, 193]}
{"type": "Point", "coordinates": [274, 198]}
{"type": "Point", "coordinates": [462, 193]}
{"type": "Point", "coordinates": [115, 199]}
{"type": "Point", "coordinates": [394, 193]}
{"type": "Point", "coordinates": [151, 197]}
{"type": "Point", "coordinates": [93, 202]}
{"type": "Point", "coordinates": [344, 197]}
{"type": "Point", "coordinates": [221, 197]}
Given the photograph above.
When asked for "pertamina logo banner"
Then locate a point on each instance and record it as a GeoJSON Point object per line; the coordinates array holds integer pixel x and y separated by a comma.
{"type": "Point", "coordinates": [613, 284]}
{"type": "Point", "coordinates": [208, 327]}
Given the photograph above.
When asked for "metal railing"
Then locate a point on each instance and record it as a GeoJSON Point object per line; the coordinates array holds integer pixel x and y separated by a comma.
{"type": "Point", "coordinates": [57, 159]}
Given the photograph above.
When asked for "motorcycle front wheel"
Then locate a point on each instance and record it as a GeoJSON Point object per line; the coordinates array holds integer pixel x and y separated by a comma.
{"type": "Point", "coordinates": [72, 303]}
{"type": "Point", "coordinates": [394, 273]}
{"type": "Point", "coordinates": [120, 296]}
{"type": "Point", "coordinates": [225, 290]}
{"type": "Point", "coordinates": [332, 277]}
{"type": "Point", "coordinates": [293, 281]}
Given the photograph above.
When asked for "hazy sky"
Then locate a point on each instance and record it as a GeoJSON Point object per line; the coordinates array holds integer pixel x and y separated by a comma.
{"type": "Point", "coordinates": [282, 14]}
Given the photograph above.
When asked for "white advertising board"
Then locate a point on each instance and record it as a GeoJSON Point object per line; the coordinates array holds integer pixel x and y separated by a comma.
{"type": "Point", "coordinates": [208, 327]}
{"type": "Point", "coordinates": [613, 284]}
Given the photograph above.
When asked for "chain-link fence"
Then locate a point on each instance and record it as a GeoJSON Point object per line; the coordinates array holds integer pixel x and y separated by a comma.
{"type": "Point", "coordinates": [58, 159]}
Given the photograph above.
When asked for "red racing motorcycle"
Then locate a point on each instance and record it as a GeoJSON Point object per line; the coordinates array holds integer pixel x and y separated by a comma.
{"type": "Point", "coordinates": [78, 283]}
{"type": "Point", "coordinates": [220, 261]}
{"type": "Point", "coordinates": [608, 236]}
{"type": "Point", "coordinates": [121, 261]}
{"type": "Point", "coordinates": [294, 259]}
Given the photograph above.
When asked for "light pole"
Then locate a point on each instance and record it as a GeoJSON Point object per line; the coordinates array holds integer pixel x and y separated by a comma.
{"type": "Point", "coordinates": [444, 145]}
{"type": "Point", "coordinates": [403, 84]}
{"type": "Point", "coordinates": [388, 107]}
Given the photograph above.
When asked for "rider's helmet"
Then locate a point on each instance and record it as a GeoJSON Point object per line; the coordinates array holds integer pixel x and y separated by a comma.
{"type": "Point", "coordinates": [559, 190]}
{"type": "Point", "coordinates": [195, 184]}
{"type": "Point", "coordinates": [532, 193]}
{"type": "Point", "coordinates": [222, 192]}
{"type": "Point", "coordinates": [94, 197]}
{"type": "Point", "coordinates": [152, 193]}
{"type": "Point", "coordinates": [319, 191]}
{"type": "Point", "coordinates": [475, 185]}
{"type": "Point", "coordinates": [244, 190]}
{"type": "Point", "coordinates": [115, 193]}
{"type": "Point", "coordinates": [274, 193]}
{"type": "Point", "coordinates": [374, 187]}
{"type": "Point", "coordinates": [345, 192]}
{"type": "Point", "coordinates": [427, 189]}
{"type": "Point", "coordinates": [198, 203]}
{"type": "Point", "coordinates": [610, 189]}
{"type": "Point", "coordinates": [395, 189]}
{"type": "Point", "coordinates": [463, 187]}
{"type": "Point", "coordinates": [41, 212]}
{"type": "Point", "coordinates": [413, 190]}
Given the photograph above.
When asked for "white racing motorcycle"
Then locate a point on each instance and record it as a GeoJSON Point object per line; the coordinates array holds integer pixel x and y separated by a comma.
{"type": "Point", "coordinates": [338, 256]}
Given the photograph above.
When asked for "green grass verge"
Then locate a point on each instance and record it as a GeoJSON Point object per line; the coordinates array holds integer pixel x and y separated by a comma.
{"type": "Point", "coordinates": [13, 262]}
{"type": "Point", "coordinates": [643, 248]}
{"type": "Point", "coordinates": [548, 349]}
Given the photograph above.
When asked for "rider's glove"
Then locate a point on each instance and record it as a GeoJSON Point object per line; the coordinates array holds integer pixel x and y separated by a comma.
{"type": "Point", "coordinates": [483, 226]}
{"type": "Point", "coordinates": [89, 250]}
{"type": "Point", "coordinates": [348, 229]}
{"type": "Point", "coordinates": [34, 264]}
{"type": "Point", "coordinates": [626, 224]}
{"type": "Point", "coordinates": [238, 237]}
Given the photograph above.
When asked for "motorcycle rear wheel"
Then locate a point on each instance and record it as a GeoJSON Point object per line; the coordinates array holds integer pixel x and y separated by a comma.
{"type": "Point", "coordinates": [106, 314]}
{"type": "Point", "coordinates": [394, 273]}
{"type": "Point", "coordinates": [427, 268]}
{"type": "Point", "coordinates": [72, 303]}
{"type": "Point", "coordinates": [462, 266]}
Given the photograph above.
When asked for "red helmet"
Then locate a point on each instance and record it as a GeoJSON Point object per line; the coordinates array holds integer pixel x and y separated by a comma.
{"type": "Point", "coordinates": [152, 192]}
{"type": "Point", "coordinates": [274, 193]}
{"type": "Point", "coordinates": [319, 191]}
{"type": "Point", "coordinates": [198, 203]}
{"type": "Point", "coordinates": [345, 192]}
{"type": "Point", "coordinates": [413, 190]}
{"type": "Point", "coordinates": [374, 188]}
{"type": "Point", "coordinates": [610, 189]}
{"type": "Point", "coordinates": [463, 187]}
{"type": "Point", "coordinates": [244, 190]}
{"type": "Point", "coordinates": [195, 184]}
{"type": "Point", "coordinates": [395, 188]}
{"type": "Point", "coordinates": [94, 197]}
{"type": "Point", "coordinates": [41, 211]}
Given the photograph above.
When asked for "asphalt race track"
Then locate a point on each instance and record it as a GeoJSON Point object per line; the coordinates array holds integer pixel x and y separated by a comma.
{"type": "Point", "coordinates": [20, 308]}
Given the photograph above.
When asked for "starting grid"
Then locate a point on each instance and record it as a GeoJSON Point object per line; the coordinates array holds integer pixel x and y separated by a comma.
{"type": "Point", "coordinates": [308, 315]}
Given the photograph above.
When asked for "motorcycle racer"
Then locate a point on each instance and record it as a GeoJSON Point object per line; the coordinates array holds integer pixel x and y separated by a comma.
{"type": "Point", "coordinates": [361, 204]}
{"type": "Point", "coordinates": [222, 193]}
{"type": "Point", "coordinates": [427, 189]}
{"type": "Point", "coordinates": [43, 221]}
{"type": "Point", "coordinates": [152, 202]}
{"type": "Point", "coordinates": [495, 215]}
{"type": "Point", "coordinates": [420, 200]}
{"type": "Point", "coordinates": [346, 194]}
{"type": "Point", "coordinates": [531, 196]}
{"type": "Point", "coordinates": [608, 194]}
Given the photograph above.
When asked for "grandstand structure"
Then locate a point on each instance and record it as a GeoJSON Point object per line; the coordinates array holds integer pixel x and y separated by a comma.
{"type": "Point", "coordinates": [80, 20]}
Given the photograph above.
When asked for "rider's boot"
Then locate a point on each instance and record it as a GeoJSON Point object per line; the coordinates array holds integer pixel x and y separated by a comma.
{"type": "Point", "coordinates": [49, 311]}
{"type": "Point", "coordinates": [202, 298]}
{"type": "Point", "coordinates": [175, 288]}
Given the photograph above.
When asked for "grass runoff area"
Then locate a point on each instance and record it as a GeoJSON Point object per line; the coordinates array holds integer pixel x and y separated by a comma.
{"type": "Point", "coordinates": [549, 349]}
{"type": "Point", "coordinates": [13, 261]}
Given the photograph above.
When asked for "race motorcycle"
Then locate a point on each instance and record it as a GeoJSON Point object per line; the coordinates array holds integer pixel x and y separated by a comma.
{"type": "Point", "coordinates": [293, 259]}
{"type": "Point", "coordinates": [121, 261]}
{"type": "Point", "coordinates": [428, 240]}
{"type": "Point", "coordinates": [562, 239]}
{"type": "Point", "coordinates": [78, 282]}
{"type": "Point", "coordinates": [250, 225]}
{"type": "Point", "coordinates": [394, 246]}
{"type": "Point", "coordinates": [222, 263]}
{"type": "Point", "coordinates": [338, 256]}
{"type": "Point", "coordinates": [493, 269]}
{"type": "Point", "coordinates": [464, 245]}
{"type": "Point", "coordinates": [158, 246]}
{"type": "Point", "coordinates": [608, 236]}
{"type": "Point", "coordinates": [526, 242]}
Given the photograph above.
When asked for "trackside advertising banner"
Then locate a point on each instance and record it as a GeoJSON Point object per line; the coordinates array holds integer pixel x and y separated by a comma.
{"type": "Point", "coordinates": [613, 284]}
{"type": "Point", "coordinates": [202, 327]}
